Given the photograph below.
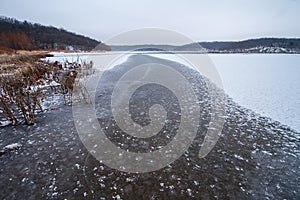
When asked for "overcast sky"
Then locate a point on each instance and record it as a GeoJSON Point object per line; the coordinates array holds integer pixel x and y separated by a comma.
{"type": "Point", "coordinates": [199, 20]}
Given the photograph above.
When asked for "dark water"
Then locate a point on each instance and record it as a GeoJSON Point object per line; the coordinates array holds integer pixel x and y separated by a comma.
{"type": "Point", "coordinates": [255, 158]}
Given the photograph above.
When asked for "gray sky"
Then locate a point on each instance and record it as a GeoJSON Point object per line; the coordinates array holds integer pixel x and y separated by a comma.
{"type": "Point", "coordinates": [199, 20]}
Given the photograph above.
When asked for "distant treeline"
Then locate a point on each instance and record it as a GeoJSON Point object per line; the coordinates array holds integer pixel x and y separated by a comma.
{"type": "Point", "coordinates": [16, 35]}
{"type": "Point", "coordinates": [260, 45]}
{"type": "Point", "coordinates": [288, 43]}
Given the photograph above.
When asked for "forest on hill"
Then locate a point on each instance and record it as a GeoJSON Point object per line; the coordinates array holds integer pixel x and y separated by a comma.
{"type": "Point", "coordinates": [24, 35]}
{"type": "Point", "coordinates": [259, 45]}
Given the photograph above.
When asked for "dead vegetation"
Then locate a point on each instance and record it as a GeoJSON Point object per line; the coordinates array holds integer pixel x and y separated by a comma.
{"type": "Point", "coordinates": [25, 79]}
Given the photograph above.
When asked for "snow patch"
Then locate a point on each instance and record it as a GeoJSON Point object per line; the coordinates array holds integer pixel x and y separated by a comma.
{"type": "Point", "coordinates": [13, 146]}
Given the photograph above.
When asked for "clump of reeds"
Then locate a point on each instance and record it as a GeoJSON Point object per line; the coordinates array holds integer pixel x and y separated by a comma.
{"type": "Point", "coordinates": [24, 80]}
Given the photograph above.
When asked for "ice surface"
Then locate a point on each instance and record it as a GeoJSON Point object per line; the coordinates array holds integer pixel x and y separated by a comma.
{"type": "Point", "coordinates": [255, 158]}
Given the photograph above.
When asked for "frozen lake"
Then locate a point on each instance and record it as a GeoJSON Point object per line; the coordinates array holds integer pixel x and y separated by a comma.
{"type": "Point", "coordinates": [254, 158]}
{"type": "Point", "coordinates": [268, 84]}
